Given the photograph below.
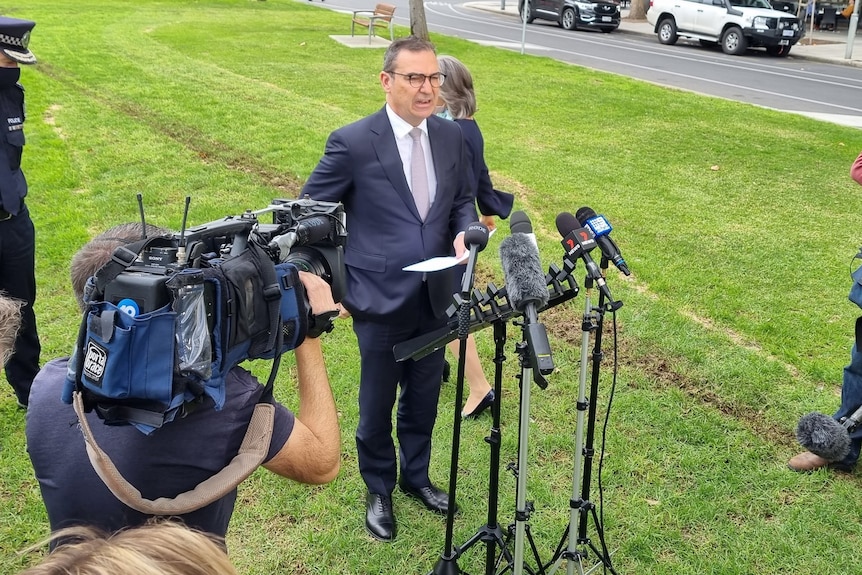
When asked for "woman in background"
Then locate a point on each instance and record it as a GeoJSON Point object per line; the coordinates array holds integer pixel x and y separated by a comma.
{"type": "Point", "coordinates": [457, 101]}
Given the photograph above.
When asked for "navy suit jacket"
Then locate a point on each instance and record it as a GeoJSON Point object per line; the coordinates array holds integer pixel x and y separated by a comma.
{"type": "Point", "coordinates": [362, 169]}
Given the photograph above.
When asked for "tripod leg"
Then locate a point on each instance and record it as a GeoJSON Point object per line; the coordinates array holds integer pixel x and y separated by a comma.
{"type": "Point", "coordinates": [490, 533]}
{"type": "Point", "coordinates": [522, 513]}
{"type": "Point", "coordinates": [448, 562]}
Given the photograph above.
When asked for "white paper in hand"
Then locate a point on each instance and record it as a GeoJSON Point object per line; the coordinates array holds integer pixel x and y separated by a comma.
{"type": "Point", "coordinates": [439, 263]}
{"type": "Point", "coordinates": [436, 264]}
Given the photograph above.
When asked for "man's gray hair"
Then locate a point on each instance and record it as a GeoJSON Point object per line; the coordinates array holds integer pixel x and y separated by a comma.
{"type": "Point", "coordinates": [409, 43]}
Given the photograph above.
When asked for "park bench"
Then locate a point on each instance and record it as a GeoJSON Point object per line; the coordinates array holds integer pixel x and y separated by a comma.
{"type": "Point", "coordinates": [371, 19]}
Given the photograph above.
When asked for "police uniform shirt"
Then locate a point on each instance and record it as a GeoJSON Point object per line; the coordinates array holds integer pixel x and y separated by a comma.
{"type": "Point", "coordinates": [13, 185]}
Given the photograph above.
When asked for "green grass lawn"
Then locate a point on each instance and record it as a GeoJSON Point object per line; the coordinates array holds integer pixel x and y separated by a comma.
{"type": "Point", "coordinates": [739, 224]}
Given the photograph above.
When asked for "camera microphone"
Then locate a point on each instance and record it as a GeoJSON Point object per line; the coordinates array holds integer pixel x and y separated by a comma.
{"type": "Point", "coordinates": [307, 231]}
{"type": "Point", "coordinates": [823, 436]}
{"type": "Point", "coordinates": [601, 229]}
{"type": "Point", "coordinates": [522, 269]}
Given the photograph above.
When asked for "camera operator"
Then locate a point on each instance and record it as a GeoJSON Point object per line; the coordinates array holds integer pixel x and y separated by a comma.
{"type": "Point", "coordinates": [851, 394]}
{"type": "Point", "coordinates": [186, 451]}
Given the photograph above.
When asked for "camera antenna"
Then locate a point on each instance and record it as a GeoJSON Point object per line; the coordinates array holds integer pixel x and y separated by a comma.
{"type": "Point", "coordinates": [143, 219]}
{"type": "Point", "coordinates": [181, 249]}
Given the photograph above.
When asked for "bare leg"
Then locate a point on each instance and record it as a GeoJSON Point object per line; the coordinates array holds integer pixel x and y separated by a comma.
{"type": "Point", "coordinates": [473, 373]}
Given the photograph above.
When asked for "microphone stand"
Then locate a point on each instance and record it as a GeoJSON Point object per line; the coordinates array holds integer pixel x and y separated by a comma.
{"type": "Point", "coordinates": [581, 507]}
{"type": "Point", "coordinates": [562, 287]}
{"type": "Point", "coordinates": [448, 562]}
{"type": "Point", "coordinates": [491, 533]}
{"type": "Point", "coordinates": [532, 334]}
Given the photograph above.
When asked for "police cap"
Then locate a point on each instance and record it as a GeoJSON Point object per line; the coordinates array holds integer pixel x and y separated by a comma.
{"type": "Point", "coordinates": [14, 38]}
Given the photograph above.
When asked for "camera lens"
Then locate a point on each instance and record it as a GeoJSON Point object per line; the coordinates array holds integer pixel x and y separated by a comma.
{"type": "Point", "coordinates": [309, 260]}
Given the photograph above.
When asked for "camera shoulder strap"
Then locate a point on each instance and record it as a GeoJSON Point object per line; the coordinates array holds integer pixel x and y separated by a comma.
{"type": "Point", "coordinates": [252, 452]}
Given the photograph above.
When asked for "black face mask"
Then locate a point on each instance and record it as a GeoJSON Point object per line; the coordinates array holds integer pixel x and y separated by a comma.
{"type": "Point", "coordinates": [9, 77]}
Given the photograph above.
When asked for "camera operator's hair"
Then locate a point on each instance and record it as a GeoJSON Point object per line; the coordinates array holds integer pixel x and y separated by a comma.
{"type": "Point", "coordinates": [97, 252]}
{"type": "Point", "coordinates": [10, 321]}
{"type": "Point", "coordinates": [161, 548]}
{"type": "Point", "coordinates": [457, 91]}
{"type": "Point", "coordinates": [409, 43]}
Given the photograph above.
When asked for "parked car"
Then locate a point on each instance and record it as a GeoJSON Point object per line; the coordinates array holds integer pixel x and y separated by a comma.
{"type": "Point", "coordinates": [602, 15]}
{"type": "Point", "coordinates": [785, 6]}
{"type": "Point", "coordinates": [734, 24]}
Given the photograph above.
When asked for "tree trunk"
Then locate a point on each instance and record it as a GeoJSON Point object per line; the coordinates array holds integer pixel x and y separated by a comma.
{"type": "Point", "coordinates": [418, 23]}
{"type": "Point", "coordinates": [638, 9]}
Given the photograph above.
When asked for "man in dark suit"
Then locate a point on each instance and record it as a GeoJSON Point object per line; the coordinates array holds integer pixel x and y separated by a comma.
{"type": "Point", "coordinates": [407, 196]}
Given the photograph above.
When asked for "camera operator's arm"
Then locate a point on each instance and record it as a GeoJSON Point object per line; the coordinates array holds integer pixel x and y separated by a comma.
{"type": "Point", "coordinates": [312, 453]}
{"type": "Point", "coordinates": [856, 169]}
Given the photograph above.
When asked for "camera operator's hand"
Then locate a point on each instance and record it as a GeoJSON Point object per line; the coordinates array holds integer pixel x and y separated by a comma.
{"type": "Point", "coordinates": [323, 308]}
{"type": "Point", "coordinates": [318, 292]}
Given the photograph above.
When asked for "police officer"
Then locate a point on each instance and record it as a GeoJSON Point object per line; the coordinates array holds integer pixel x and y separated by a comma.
{"type": "Point", "coordinates": [17, 235]}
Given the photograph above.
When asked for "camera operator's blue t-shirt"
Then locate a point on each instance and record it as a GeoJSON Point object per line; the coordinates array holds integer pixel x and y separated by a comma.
{"type": "Point", "coordinates": [172, 460]}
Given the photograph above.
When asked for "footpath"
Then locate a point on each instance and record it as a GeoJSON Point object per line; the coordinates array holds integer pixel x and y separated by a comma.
{"type": "Point", "coordinates": [817, 45]}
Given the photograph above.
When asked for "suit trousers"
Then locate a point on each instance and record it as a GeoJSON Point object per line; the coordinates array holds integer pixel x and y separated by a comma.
{"type": "Point", "coordinates": [380, 378]}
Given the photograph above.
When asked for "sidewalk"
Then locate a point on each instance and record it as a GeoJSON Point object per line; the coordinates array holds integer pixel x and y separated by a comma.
{"type": "Point", "coordinates": [822, 46]}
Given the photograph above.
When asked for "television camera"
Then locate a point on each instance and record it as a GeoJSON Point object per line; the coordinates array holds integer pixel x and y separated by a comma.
{"type": "Point", "coordinates": [307, 233]}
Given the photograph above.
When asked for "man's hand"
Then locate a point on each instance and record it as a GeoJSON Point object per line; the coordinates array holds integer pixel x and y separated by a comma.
{"type": "Point", "coordinates": [459, 246]}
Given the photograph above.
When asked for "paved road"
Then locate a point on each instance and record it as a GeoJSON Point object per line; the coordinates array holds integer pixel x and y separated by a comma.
{"type": "Point", "coordinates": [831, 92]}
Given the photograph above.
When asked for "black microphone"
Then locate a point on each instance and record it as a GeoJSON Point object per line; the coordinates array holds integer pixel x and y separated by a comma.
{"type": "Point", "coordinates": [578, 241]}
{"type": "Point", "coordinates": [475, 239]}
{"type": "Point", "coordinates": [528, 291]}
{"type": "Point", "coordinates": [601, 229]}
{"type": "Point", "coordinates": [823, 436]}
{"type": "Point", "coordinates": [307, 231]}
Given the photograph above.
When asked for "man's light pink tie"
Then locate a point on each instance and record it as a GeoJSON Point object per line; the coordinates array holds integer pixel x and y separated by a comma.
{"type": "Point", "coordinates": [418, 174]}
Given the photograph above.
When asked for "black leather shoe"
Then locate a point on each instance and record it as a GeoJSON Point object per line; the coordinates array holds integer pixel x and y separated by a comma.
{"type": "Point", "coordinates": [433, 498]}
{"type": "Point", "coordinates": [379, 518]}
{"type": "Point", "coordinates": [486, 402]}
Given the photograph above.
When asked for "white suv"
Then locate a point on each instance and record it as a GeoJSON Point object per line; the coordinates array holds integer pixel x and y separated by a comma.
{"type": "Point", "coordinates": [735, 24]}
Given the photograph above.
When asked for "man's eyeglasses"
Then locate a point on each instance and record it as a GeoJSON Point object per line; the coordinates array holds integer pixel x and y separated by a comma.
{"type": "Point", "coordinates": [418, 80]}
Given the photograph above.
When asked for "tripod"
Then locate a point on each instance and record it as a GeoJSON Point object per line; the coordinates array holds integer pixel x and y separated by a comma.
{"type": "Point", "coordinates": [490, 533]}
{"type": "Point", "coordinates": [581, 507]}
{"type": "Point", "coordinates": [534, 343]}
{"type": "Point", "coordinates": [448, 562]}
